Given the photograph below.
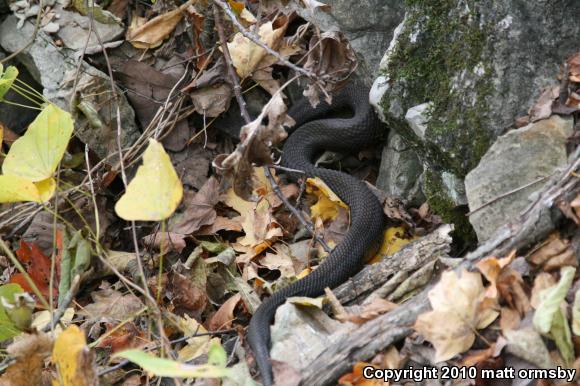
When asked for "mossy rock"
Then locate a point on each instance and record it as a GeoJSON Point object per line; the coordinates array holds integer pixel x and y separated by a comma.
{"type": "Point", "coordinates": [480, 64]}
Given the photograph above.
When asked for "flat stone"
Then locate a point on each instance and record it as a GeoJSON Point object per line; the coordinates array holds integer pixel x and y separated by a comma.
{"type": "Point", "coordinates": [515, 160]}
{"type": "Point", "coordinates": [55, 69]}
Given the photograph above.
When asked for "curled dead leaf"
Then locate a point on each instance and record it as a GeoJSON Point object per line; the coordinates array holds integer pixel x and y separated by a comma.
{"type": "Point", "coordinates": [332, 59]}
{"type": "Point", "coordinates": [151, 34]}
{"type": "Point", "coordinates": [257, 139]}
{"type": "Point", "coordinates": [460, 307]}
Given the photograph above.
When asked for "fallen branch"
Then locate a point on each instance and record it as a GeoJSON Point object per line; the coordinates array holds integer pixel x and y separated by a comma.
{"type": "Point", "coordinates": [377, 334]}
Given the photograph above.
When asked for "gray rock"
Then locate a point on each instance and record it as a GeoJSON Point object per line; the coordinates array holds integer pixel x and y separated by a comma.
{"type": "Point", "coordinates": [418, 117]}
{"type": "Point", "coordinates": [74, 30]}
{"type": "Point", "coordinates": [454, 188]}
{"type": "Point", "coordinates": [400, 171]}
{"type": "Point", "coordinates": [55, 70]}
{"type": "Point", "coordinates": [300, 334]}
{"type": "Point", "coordinates": [481, 64]}
{"type": "Point", "coordinates": [515, 160]}
{"type": "Point", "coordinates": [368, 25]}
{"type": "Point", "coordinates": [3, 7]}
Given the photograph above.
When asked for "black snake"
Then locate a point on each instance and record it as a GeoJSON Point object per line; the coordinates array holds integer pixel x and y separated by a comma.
{"type": "Point", "coordinates": [317, 129]}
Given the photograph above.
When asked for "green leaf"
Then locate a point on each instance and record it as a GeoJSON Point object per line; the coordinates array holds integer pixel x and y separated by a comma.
{"type": "Point", "coordinates": [7, 327]}
{"type": "Point", "coordinates": [214, 248]}
{"type": "Point", "coordinates": [551, 299]}
{"type": "Point", "coordinates": [560, 332]}
{"type": "Point", "coordinates": [162, 367]}
{"type": "Point", "coordinates": [216, 354]}
{"type": "Point", "coordinates": [550, 318]}
{"type": "Point", "coordinates": [576, 314]}
{"type": "Point", "coordinates": [35, 155]}
{"type": "Point", "coordinates": [7, 79]}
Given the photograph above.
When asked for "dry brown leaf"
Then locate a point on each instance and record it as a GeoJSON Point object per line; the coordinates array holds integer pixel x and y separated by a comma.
{"type": "Point", "coordinates": [491, 268]}
{"type": "Point", "coordinates": [165, 241]}
{"type": "Point", "coordinates": [221, 224]}
{"type": "Point", "coordinates": [543, 107]}
{"type": "Point", "coordinates": [574, 67]}
{"type": "Point", "coordinates": [511, 289]}
{"type": "Point", "coordinates": [332, 59]}
{"type": "Point", "coordinates": [200, 210]}
{"type": "Point", "coordinates": [356, 377]}
{"type": "Point", "coordinates": [123, 337]}
{"type": "Point", "coordinates": [554, 247]}
{"type": "Point", "coordinates": [567, 258]}
{"type": "Point", "coordinates": [212, 100]}
{"type": "Point", "coordinates": [187, 296]}
{"type": "Point", "coordinates": [152, 33]}
{"type": "Point", "coordinates": [366, 312]}
{"type": "Point", "coordinates": [554, 254]}
{"type": "Point", "coordinates": [224, 316]}
{"type": "Point", "coordinates": [260, 227]}
{"type": "Point", "coordinates": [459, 308]}
{"type": "Point", "coordinates": [263, 72]}
{"type": "Point", "coordinates": [570, 209]}
{"type": "Point", "coordinates": [575, 204]}
{"type": "Point", "coordinates": [30, 353]}
{"type": "Point", "coordinates": [111, 305]}
{"type": "Point", "coordinates": [246, 54]}
{"type": "Point", "coordinates": [509, 320]}
{"type": "Point", "coordinates": [257, 140]}
{"type": "Point", "coordinates": [280, 261]}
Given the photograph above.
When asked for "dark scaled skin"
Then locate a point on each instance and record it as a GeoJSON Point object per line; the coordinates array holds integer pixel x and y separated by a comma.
{"type": "Point", "coordinates": [316, 130]}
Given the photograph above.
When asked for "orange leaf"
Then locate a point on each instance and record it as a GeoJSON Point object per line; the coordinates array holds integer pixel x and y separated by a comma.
{"type": "Point", "coordinates": [38, 268]}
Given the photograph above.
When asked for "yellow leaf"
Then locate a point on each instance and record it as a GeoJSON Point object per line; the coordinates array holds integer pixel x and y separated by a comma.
{"type": "Point", "coordinates": [240, 205]}
{"type": "Point", "coordinates": [155, 192]}
{"type": "Point", "coordinates": [246, 54]}
{"type": "Point", "coordinates": [16, 189]}
{"type": "Point", "coordinates": [36, 154]}
{"type": "Point", "coordinates": [73, 360]}
{"type": "Point", "coordinates": [326, 208]}
{"type": "Point", "coordinates": [394, 239]}
{"type": "Point", "coordinates": [6, 80]}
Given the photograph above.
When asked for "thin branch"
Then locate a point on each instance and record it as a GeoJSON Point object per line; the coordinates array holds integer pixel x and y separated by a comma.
{"type": "Point", "coordinates": [308, 225]}
{"type": "Point", "coordinates": [506, 194]}
{"type": "Point", "coordinates": [231, 71]}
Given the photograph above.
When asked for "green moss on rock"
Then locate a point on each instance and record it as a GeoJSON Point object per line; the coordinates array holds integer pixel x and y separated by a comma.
{"type": "Point", "coordinates": [438, 47]}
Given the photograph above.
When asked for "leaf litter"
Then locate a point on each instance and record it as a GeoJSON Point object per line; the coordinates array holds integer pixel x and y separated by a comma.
{"type": "Point", "coordinates": [210, 258]}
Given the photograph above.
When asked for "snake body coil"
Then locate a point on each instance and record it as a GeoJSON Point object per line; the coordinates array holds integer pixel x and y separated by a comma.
{"type": "Point", "coordinates": [318, 129]}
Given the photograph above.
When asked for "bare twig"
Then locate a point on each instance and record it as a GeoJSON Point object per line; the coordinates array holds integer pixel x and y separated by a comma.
{"type": "Point", "coordinates": [242, 103]}
{"type": "Point", "coordinates": [506, 194]}
{"type": "Point", "coordinates": [231, 71]}
{"type": "Point", "coordinates": [308, 225]}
